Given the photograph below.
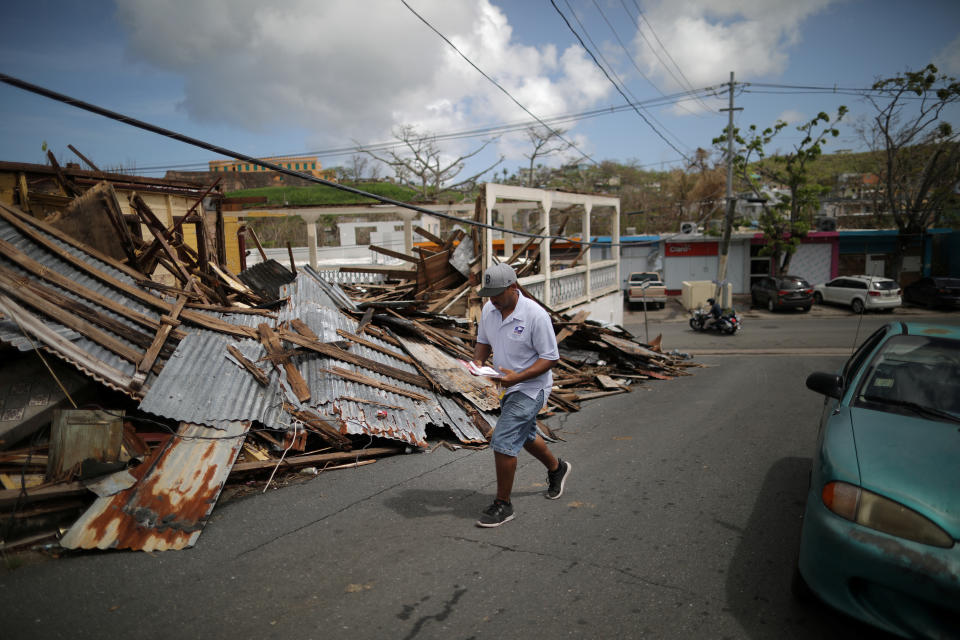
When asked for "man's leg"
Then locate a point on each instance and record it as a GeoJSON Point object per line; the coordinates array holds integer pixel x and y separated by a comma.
{"type": "Point", "coordinates": [506, 470]}
{"type": "Point", "coordinates": [539, 450]}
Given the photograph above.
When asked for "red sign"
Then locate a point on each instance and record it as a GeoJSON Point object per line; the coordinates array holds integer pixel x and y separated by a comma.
{"type": "Point", "coordinates": [690, 249]}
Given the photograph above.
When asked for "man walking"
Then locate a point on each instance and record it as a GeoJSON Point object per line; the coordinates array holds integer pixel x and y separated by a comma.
{"type": "Point", "coordinates": [520, 334]}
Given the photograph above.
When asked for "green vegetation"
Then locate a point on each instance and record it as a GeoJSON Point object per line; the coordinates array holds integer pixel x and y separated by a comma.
{"type": "Point", "coordinates": [317, 195]}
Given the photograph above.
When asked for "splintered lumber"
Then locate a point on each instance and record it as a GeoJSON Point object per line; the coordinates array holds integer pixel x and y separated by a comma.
{"type": "Point", "coordinates": [169, 322]}
{"type": "Point", "coordinates": [433, 269]}
{"type": "Point", "coordinates": [292, 462]}
{"type": "Point", "coordinates": [280, 357]}
{"type": "Point", "coordinates": [428, 236]}
{"type": "Point", "coordinates": [376, 347]}
{"type": "Point", "coordinates": [609, 383]}
{"type": "Point", "coordinates": [372, 382]}
{"type": "Point", "coordinates": [254, 370]}
{"type": "Point", "coordinates": [577, 322]}
{"type": "Point", "coordinates": [394, 254]}
{"type": "Point", "coordinates": [319, 426]}
{"type": "Point", "coordinates": [12, 216]}
{"type": "Point", "coordinates": [332, 351]}
{"type": "Point", "coordinates": [26, 293]}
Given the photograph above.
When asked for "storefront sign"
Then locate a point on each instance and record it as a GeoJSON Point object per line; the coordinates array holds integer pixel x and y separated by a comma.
{"type": "Point", "coordinates": [690, 249]}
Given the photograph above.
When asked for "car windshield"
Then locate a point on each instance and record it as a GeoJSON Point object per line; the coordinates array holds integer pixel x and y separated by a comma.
{"type": "Point", "coordinates": [885, 285]}
{"type": "Point", "coordinates": [794, 283]}
{"type": "Point", "coordinates": [642, 277]}
{"type": "Point", "coordinates": [915, 375]}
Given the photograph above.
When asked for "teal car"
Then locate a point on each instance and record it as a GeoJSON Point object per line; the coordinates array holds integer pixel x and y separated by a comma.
{"type": "Point", "coordinates": [880, 532]}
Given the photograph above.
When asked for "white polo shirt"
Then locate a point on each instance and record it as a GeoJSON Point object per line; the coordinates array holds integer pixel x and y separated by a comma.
{"type": "Point", "coordinates": [518, 341]}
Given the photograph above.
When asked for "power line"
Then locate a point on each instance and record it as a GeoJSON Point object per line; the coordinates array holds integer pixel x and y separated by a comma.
{"type": "Point", "coordinates": [513, 127]}
{"type": "Point", "coordinates": [619, 80]}
{"type": "Point", "coordinates": [596, 62]}
{"type": "Point", "coordinates": [495, 83]}
{"type": "Point", "coordinates": [686, 83]}
{"type": "Point", "coordinates": [146, 126]}
{"type": "Point", "coordinates": [633, 60]}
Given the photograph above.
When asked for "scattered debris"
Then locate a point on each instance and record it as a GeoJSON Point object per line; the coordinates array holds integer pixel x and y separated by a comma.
{"type": "Point", "coordinates": [201, 377]}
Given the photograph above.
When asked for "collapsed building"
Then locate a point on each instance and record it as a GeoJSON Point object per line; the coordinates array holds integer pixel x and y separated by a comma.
{"type": "Point", "coordinates": [139, 373]}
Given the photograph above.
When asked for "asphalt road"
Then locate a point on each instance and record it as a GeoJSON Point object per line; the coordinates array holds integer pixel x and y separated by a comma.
{"type": "Point", "coordinates": [680, 520]}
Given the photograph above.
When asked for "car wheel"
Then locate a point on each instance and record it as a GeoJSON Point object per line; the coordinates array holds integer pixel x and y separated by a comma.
{"type": "Point", "coordinates": [857, 306]}
{"type": "Point", "coordinates": [817, 298]}
{"type": "Point", "coordinates": [770, 305]}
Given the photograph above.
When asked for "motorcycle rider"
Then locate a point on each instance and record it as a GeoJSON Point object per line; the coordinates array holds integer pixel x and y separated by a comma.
{"type": "Point", "coordinates": [715, 313]}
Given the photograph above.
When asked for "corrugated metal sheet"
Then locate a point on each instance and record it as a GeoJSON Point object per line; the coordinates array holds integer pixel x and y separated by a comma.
{"type": "Point", "coordinates": [11, 333]}
{"type": "Point", "coordinates": [266, 278]}
{"type": "Point", "coordinates": [175, 493]}
{"type": "Point", "coordinates": [200, 384]}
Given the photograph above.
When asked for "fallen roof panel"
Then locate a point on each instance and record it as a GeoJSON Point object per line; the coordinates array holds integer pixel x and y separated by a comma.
{"type": "Point", "coordinates": [175, 492]}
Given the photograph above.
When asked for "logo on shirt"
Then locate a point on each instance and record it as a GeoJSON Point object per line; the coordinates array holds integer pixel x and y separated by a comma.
{"type": "Point", "coordinates": [518, 330]}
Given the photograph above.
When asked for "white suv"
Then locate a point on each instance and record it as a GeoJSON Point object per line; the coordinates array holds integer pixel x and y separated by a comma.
{"type": "Point", "coordinates": [859, 292]}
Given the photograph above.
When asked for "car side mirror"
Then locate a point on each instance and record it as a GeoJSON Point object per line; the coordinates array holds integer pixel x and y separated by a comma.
{"type": "Point", "coordinates": [829, 384]}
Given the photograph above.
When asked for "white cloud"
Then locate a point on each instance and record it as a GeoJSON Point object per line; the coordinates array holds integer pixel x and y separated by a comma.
{"type": "Point", "coordinates": [792, 116]}
{"type": "Point", "coordinates": [348, 70]}
{"type": "Point", "coordinates": [948, 60]}
{"type": "Point", "coordinates": [709, 38]}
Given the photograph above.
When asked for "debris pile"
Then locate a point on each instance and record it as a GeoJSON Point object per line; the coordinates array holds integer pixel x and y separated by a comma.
{"type": "Point", "coordinates": [143, 375]}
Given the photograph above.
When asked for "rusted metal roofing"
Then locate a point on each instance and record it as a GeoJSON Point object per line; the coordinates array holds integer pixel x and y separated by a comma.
{"type": "Point", "coordinates": [168, 507]}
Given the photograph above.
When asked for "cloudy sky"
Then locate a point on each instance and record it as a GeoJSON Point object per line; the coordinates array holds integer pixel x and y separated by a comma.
{"type": "Point", "coordinates": [306, 76]}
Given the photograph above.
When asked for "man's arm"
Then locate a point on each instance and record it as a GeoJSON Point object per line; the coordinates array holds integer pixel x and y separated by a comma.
{"type": "Point", "coordinates": [511, 377]}
{"type": "Point", "coordinates": [481, 351]}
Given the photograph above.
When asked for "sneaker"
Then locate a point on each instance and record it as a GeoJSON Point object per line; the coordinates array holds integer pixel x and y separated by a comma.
{"type": "Point", "coordinates": [558, 479]}
{"type": "Point", "coordinates": [496, 514]}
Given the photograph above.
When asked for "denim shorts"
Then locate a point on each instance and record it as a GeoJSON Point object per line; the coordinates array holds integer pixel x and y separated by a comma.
{"type": "Point", "coordinates": [517, 424]}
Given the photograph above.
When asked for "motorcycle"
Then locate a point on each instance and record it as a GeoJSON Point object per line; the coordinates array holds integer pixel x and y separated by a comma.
{"type": "Point", "coordinates": [729, 323]}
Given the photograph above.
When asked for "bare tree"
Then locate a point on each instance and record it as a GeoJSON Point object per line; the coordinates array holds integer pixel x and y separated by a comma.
{"type": "Point", "coordinates": [920, 152]}
{"type": "Point", "coordinates": [545, 142]}
{"type": "Point", "coordinates": [422, 166]}
{"type": "Point", "coordinates": [358, 164]}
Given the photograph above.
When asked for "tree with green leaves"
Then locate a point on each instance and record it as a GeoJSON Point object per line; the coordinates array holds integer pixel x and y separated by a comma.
{"type": "Point", "coordinates": [786, 219]}
{"type": "Point", "coordinates": [919, 152]}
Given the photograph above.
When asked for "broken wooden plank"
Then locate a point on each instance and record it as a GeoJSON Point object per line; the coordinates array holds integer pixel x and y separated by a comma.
{"type": "Point", "coordinates": [372, 382]}
{"type": "Point", "coordinates": [254, 370]}
{"type": "Point", "coordinates": [280, 357]}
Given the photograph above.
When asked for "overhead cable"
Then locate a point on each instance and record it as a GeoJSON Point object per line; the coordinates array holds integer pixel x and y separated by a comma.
{"type": "Point", "coordinates": [495, 83]}
{"type": "Point", "coordinates": [140, 124]}
{"type": "Point", "coordinates": [596, 62]}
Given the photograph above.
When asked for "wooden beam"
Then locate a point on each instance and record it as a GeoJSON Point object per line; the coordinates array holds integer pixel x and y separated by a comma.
{"type": "Point", "coordinates": [254, 370]}
{"type": "Point", "coordinates": [337, 353]}
{"type": "Point", "coordinates": [394, 254]}
{"type": "Point", "coordinates": [313, 459]}
{"type": "Point", "coordinates": [373, 382]}
{"type": "Point", "coordinates": [280, 357]}
{"type": "Point", "coordinates": [169, 323]}
{"type": "Point", "coordinates": [203, 320]}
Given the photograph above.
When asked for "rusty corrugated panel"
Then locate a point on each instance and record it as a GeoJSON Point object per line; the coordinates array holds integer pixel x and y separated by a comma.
{"type": "Point", "coordinates": [176, 490]}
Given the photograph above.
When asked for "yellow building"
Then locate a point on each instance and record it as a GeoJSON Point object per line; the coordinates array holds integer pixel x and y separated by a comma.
{"type": "Point", "coordinates": [304, 164]}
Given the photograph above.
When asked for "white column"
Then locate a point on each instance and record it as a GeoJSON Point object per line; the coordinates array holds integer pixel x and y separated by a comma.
{"type": "Point", "coordinates": [546, 203]}
{"type": "Point", "coordinates": [587, 208]}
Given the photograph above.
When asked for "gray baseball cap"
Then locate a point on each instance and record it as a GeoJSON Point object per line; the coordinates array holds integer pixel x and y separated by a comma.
{"type": "Point", "coordinates": [496, 279]}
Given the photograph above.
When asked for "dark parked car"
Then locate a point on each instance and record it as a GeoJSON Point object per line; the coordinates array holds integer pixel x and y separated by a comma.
{"type": "Point", "coordinates": [880, 539]}
{"type": "Point", "coordinates": [786, 292]}
{"type": "Point", "coordinates": [934, 292]}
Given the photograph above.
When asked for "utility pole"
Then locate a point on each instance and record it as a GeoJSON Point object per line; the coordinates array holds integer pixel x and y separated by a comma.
{"type": "Point", "coordinates": [731, 199]}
